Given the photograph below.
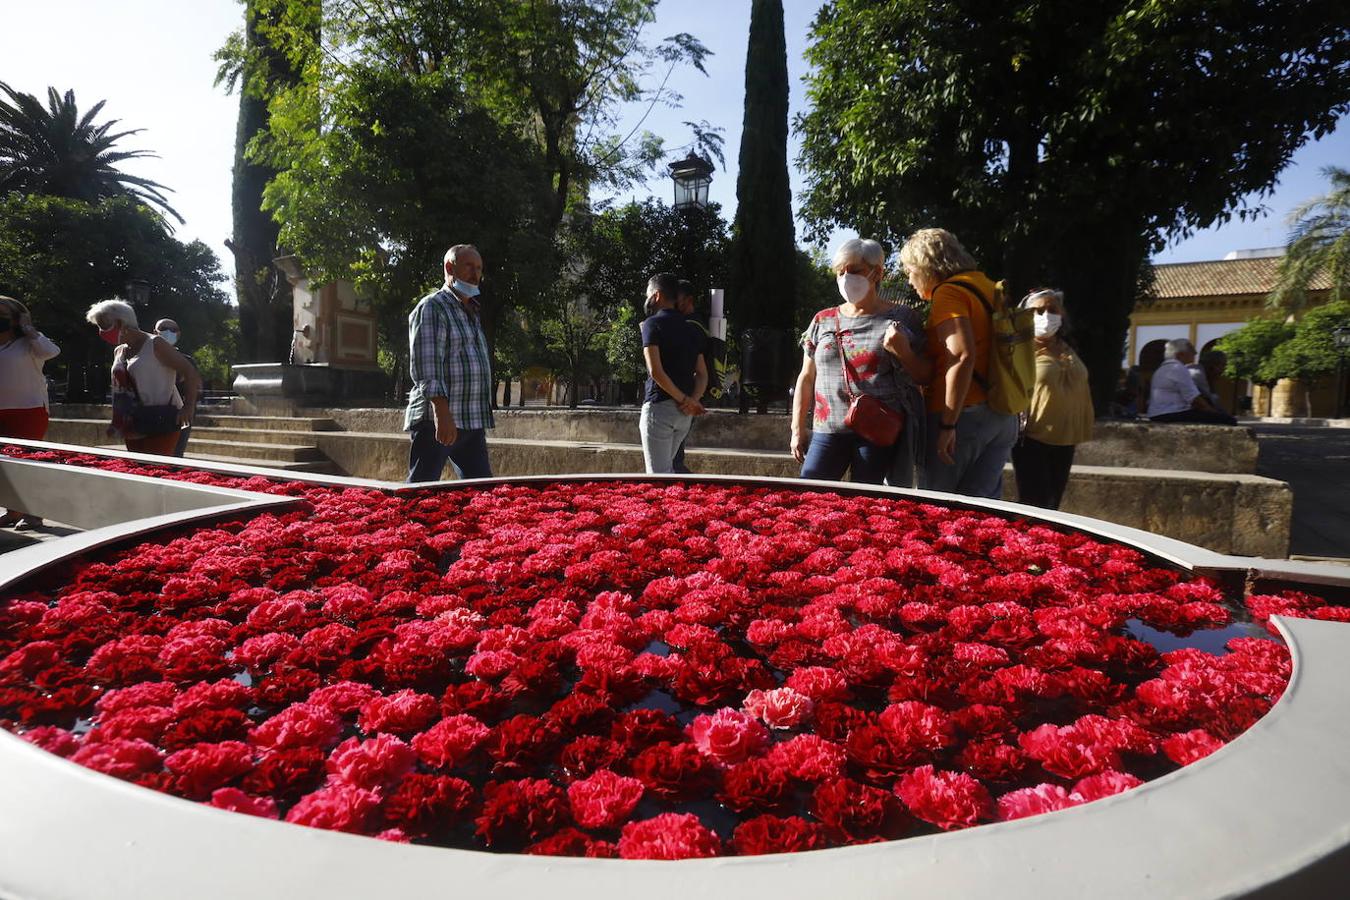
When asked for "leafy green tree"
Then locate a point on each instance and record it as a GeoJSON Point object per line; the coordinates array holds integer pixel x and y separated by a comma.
{"type": "Point", "coordinates": [1064, 142]}
{"type": "Point", "coordinates": [623, 347]}
{"type": "Point", "coordinates": [1311, 353]}
{"type": "Point", "coordinates": [55, 151]}
{"type": "Point", "coordinates": [763, 290]}
{"type": "Point", "coordinates": [255, 67]}
{"type": "Point", "coordinates": [1251, 348]}
{"type": "Point", "coordinates": [1320, 242]}
{"type": "Point", "coordinates": [60, 256]}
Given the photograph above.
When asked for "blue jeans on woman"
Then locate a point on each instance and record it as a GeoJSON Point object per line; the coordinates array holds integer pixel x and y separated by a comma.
{"type": "Point", "coordinates": [831, 454]}
{"type": "Point", "coordinates": [984, 442]}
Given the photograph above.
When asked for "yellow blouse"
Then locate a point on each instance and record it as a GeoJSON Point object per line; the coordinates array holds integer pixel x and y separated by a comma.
{"type": "Point", "coordinates": [1061, 405]}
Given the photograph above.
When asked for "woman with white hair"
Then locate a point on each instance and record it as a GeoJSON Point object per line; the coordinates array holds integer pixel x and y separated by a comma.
{"type": "Point", "coordinates": [23, 387]}
{"type": "Point", "coordinates": [1060, 416]}
{"type": "Point", "coordinates": [863, 346]}
{"type": "Point", "coordinates": [968, 442]}
{"type": "Point", "coordinates": [148, 411]}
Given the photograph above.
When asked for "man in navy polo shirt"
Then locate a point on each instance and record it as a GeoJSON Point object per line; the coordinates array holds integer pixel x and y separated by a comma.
{"type": "Point", "coordinates": [677, 374]}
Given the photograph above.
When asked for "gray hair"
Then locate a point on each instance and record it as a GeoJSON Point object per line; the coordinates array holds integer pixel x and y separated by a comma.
{"type": "Point", "coordinates": [453, 253]}
{"type": "Point", "coordinates": [867, 251]}
{"type": "Point", "coordinates": [1177, 345]}
{"type": "Point", "coordinates": [111, 311]}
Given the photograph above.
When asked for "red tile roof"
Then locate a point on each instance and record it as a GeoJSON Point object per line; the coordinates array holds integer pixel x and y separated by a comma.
{"type": "Point", "coordinates": [1223, 277]}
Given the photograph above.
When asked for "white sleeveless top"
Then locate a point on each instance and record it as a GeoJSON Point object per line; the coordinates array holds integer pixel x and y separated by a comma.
{"type": "Point", "coordinates": [156, 383]}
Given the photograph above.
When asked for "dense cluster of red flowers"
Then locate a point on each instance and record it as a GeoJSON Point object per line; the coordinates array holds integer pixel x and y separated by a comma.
{"type": "Point", "coordinates": [639, 670]}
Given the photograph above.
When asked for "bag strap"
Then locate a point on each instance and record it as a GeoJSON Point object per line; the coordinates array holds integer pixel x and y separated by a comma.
{"type": "Point", "coordinates": [979, 379]}
{"type": "Point", "coordinates": [850, 376]}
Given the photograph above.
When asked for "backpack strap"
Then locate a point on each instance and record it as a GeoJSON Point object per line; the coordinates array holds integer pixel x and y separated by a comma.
{"type": "Point", "coordinates": [981, 380]}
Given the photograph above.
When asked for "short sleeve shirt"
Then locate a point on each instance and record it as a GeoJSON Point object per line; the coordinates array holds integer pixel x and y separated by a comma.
{"type": "Point", "coordinates": [681, 344]}
{"type": "Point", "coordinates": [951, 301]}
{"type": "Point", "coordinates": [1172, 389]}
{"type": "Point", "coordinates": [879, 373]}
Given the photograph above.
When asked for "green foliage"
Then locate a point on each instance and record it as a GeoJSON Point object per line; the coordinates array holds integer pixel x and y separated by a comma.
{"type": "Point", "coordinates": [54, 150]}
{"type": "Point", "coordinates": [60, 256]}
{"type": "Point", "coordinates": [623, 347]}
{"type": "Point", "coordinates": [1319, 242]}
{"type": "Point", "coordinates": [1063, 141]}
{"type": "Point", "coordinates": [215, 355]}
{"type": "Point", "coordinates": [1311, 352]}
{"type": "Point", "coordinates": [763, 289]}
{"type": "Point", "coordinates": [1251, 348]}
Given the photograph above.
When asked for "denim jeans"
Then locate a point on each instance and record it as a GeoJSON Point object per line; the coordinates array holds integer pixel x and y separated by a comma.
{"type": "Point", "coordinates": [427, 456]}
{"type": "Point", "coordinates": [663, 428]}
{"type": "Point", "coordinates": [984, 442]}
{"type": "Point", "coordinates": [831, 454]}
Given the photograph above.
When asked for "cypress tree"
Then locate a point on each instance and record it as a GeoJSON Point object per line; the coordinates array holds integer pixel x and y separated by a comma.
{"type": "Point", "coordinates": [762, 286]}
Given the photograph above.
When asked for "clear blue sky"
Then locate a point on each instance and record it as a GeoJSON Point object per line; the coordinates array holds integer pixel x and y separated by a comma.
{"type": "Point", "coordinates": [151, 60]}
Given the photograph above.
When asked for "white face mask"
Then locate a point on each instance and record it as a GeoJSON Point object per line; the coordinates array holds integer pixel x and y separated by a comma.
{"type": "Point", "coordinates": [170, 337]}
{"type": "Point", "coordinates": [1047, 323]}
{"type": "Point", "coordinates": [854, 287]}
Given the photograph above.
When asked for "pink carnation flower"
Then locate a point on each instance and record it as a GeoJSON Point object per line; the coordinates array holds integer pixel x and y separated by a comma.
{"type": "Point", "coordinates": [372, 764]}
{"type": "Point", "coordinates": [235, 800]}
{"type": "Point", "coordinates": [949, 800]}
{"type": "Point", "coordinates": [780, 708]}
{"type": "Point", "coordinates": [728, 736]}
{"type": "Point", "coordinates": [1034, 801]}
{"type": "Point", "coordinates": [449, 742]}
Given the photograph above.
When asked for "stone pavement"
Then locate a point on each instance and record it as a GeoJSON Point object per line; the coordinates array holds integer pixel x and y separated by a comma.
{"type": "Point", "coordinates": [1315, 461]}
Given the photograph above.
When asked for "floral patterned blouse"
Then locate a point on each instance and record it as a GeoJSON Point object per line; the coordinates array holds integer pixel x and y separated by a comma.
{"type": "Point", "coordinates": [880, 374]}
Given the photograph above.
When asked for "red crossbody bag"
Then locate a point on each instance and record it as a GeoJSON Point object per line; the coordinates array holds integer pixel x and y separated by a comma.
{"type": "Point", "coordinates": [867, 417]}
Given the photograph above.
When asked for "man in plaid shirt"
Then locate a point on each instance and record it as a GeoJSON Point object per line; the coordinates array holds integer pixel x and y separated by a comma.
{"type": "Point", "coordinates": [450, 404]}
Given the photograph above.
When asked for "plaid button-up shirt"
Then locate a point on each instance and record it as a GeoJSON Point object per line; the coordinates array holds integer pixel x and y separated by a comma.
{"type": "Point", "coordinates": [448, 357]}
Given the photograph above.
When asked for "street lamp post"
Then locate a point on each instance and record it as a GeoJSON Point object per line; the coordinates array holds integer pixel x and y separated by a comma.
{"type": "Point", "coordinates": [1340, 335]}
{"type": "Point", "coordinates": [138, 292]}
{"type": "Point", "coordinates": [691, 175]}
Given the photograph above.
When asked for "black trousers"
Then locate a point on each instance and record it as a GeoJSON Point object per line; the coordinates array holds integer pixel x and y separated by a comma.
{"type": "Point", "coordinates": [1042, 472]}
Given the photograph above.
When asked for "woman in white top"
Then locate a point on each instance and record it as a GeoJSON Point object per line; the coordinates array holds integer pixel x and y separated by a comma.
{"type": "Point", "coordinates": [145, 369]}
{"type": "Point", "coordinates": [23, 387]}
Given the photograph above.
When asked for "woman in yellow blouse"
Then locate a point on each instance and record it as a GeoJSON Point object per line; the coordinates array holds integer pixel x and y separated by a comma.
{"type": "Point", "coordinates": [1060, 417]}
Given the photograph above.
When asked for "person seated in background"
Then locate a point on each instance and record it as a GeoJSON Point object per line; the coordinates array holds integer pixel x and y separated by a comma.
{"type": "Point", "coordinates": [1173, 396]}
{"type": "Point", "coordinates": [1206, 374]}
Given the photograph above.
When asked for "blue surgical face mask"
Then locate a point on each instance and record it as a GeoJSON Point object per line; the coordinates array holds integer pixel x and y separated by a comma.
{"type": "Point", "coordinates": [170, 337]}
{"type": "Point", "coordinates": [468, 290]}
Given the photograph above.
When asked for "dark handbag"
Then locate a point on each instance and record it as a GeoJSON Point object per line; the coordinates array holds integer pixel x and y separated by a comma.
{"type": "Point", "coordinates": [152, 420]}
{"type": "Point", "coordinates": [868, 417]}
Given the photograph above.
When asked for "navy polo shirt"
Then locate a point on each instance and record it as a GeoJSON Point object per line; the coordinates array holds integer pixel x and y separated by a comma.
{"type": "Point", "coordinates": [680, 343]}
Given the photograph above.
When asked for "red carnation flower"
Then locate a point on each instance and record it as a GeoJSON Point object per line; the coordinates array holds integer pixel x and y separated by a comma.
{"type": "Point", "coordinates": [235, 800]}
{"type": "Point", "coordinates": [771, 834]}
{"type": "Point", "coordinates": [371, 764]}
{"type": "Point", "coordinates": [948, 800]}
{"type": "Point", "coordinates": [674, 771]}
{"type": "Point", "coordinates": [1187, 747]}
{"type": "Point", "coordinates": [203, 768]}
{"type": "Point", "coordinates": [426, 804]}
{"type": "Point", "coordinates": [668, 836]}
{"type": "Point", "coordinates": [403, 713]}
{"type": "Point", "coordinates": [126, 759]}
{"type": "Point", "coordinates": [856, 812]}
{"type": "Point", "coordinates": [809, 758]}
{"type": "Point", "coordinates": [1034, 801]}
{"type": "Point", "coordinates": [287, 775]}
{"type": "Point", "coordinates": [300, 725]}
{"type": "Point", "coordinates": [573, 842]}
{"type": "Point", "coordinates": [1103, 784]}
{"type": "Point", "coordinates": [337, 807]}
{"type": "Point", "coordinates": [757, 784]}
{"type": "Point", "coordinates": [604, 800]}
{"type": "Point", "coordinates": [518, 812]}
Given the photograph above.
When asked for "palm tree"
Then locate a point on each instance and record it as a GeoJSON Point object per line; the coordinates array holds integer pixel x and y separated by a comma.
{"type": "Point", "coordinates": [1319, 245]}
{"type": "Point", "coordinates": [55, 151]}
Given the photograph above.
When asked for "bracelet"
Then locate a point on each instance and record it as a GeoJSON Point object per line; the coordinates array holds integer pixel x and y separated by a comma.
{"type": "Point", "coordinates": [943, 426]}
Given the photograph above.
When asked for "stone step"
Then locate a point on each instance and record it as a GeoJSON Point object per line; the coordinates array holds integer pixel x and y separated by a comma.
{"type": "Point", "coordinates": [265, 423]}
{"type": "Point", "coordinates": [320, 466]}
{"type": "Point", "coordinates": [253, 450]}
{"type": "Point", "coordinates": [252, 435]}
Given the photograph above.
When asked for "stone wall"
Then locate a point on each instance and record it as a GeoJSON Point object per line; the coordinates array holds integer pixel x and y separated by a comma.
{"type": "Point", "coordinates": [1143, 445]}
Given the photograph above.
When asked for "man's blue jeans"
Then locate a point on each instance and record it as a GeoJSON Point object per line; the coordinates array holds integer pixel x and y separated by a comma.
{"type": "Point", "coordinates": [831, 454]}
{"type": "Point", "coordinates": [984, 442]}
{"type": "Point", "coordinates": [663, 428]}
{"type": "Point", "coordinates": [427, 456]}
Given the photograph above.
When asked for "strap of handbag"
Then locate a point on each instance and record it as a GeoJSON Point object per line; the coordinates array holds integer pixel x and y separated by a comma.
{"type": "Point", "coordinates": [850, 376]}
{"type": "Point", "coordinates": [981, 380]}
